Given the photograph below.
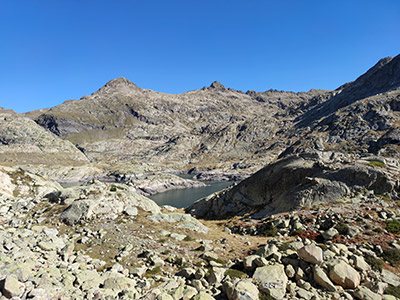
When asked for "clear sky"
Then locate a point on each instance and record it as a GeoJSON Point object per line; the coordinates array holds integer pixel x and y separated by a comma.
{"type": "Point", "coordinates": [52, 51]}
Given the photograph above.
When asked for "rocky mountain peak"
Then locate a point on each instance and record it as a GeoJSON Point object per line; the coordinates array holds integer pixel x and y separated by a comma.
{"type": "Point", "coordinates": [119, 84]}
{"type": "Point", "coordinates": [217, 86]}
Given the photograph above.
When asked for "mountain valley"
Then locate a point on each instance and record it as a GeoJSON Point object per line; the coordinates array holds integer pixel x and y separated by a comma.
{"type": "Point", "coordinates": [314, 212]}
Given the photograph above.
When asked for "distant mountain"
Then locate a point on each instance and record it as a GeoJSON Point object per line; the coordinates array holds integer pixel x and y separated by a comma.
{"type": "Point", "coordinates": [381, 78]}
{"type": "Point", "coordinates": [214, 127]}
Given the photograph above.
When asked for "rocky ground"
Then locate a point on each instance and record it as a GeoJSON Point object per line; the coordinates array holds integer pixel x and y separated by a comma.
{"type": "Point", "coordinates": [88, 242]}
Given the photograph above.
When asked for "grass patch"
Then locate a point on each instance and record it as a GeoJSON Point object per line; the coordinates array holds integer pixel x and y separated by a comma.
{"type": "Point", "coordinates": [264, 296]}
{"type": "Point", "coordinates": [323, 247]}
{"type": "Point", "coordinates": [342, 228]}
{"type": "Point", "coordinates": [385, 198]}
{"type": "Point", "coordinates": [217, 260]}
{"type": "Point", "coordinates": [378, 230]}
{"type": "Point", "coordinates": [375, 263]}
{"type": "Point", "coordinates": [393, 226]}
{"type": "Point", "coordinates": [391, 255]}
{"type": "Point", "coordinates": [376, 163]}
{"type": "Point", "coordinates": [152, 272]}
{"type": "Point", "coordinates": [188, 238]}
{"type": "Point", "coordinates": [233, 273]}
{"type": "Point", "coordinates": [393, 290]}
{"type": "Point", "coordinates": [297, 232]}
{"type": "Point", "coordinates": [269, 230]}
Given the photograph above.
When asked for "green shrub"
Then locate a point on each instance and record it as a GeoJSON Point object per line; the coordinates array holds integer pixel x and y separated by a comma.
{"type": "Point", "coordinates": [297, 232]}
{"type": "Point", "coordinates": [391, 255]}
{"type": "Point", "coordinates": [375, 263]}
{"type": "Point", "coordinates": [378, 230]}
{"type": "Point", "coordinates": [188, 238]}
{"type": "Point", "coordinates": [233, 273]}
{"type": "Point", "coordinates": [342, 228]}
{"type": "Point", "coordinates": [393, 290]}
{"type": "Point", "coordinates": [269, 230]}
{"type": "Point", "coordinates": [264, 296]}
{"type": "Point", "coordinates": [113, 189]}
{"type": "Point", "coordinates": [154, 271]}
{"type": "Point", "coordinates": [323, 247]}
{"type": "Point", "coordinates": [376, 163]}
{"type": "Point", "coordinates": [393, 226]}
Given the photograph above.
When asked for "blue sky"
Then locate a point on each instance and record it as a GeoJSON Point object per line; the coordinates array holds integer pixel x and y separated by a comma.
{"type": "Point", "coordinates": [52, 51]}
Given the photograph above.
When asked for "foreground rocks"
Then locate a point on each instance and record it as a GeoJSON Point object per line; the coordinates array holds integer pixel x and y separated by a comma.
{"type": "Point", "coordinates": [171, 255]}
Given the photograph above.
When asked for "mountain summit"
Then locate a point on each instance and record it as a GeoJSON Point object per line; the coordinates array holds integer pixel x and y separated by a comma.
{"type": "Point", "coordinates": [119, 84]}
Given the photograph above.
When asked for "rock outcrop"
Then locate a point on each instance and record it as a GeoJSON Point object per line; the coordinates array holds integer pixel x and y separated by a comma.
{"type": "Point", "coordinates": [295, 182]}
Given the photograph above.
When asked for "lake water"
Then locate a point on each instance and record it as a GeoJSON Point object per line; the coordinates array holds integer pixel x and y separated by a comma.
{"type": "Point", "coordinates": [185, 197]}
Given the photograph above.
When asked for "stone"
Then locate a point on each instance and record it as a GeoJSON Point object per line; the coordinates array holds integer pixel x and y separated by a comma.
{"type": "Point", "coordinates": [311, 253]}
{"type": "Point", "coordinates": [189, 292]}
{"type": "Point", "coordinates": [323, 280]}
{"type": "Point", "coordinates": [364, 293]}
{"type": "Point", "coordinates": [88, 279]}
{"type": "Point", "coordinates": [360, 263]}
{"type": "Point", "coordinates": [390, 277]}
{"type": "Point", "coordinates": [187, 273]}
{"type": "Point", "coordinates": [241, 290]}
{"type": "Point", "coordinates": [131, 211]}
{"type": "Point", "coordinates": [290, 271]}
{"type": "Point", "coordinates": [202, 295]}
{"type": "Point", "coordinates": [330, 233]}
{"type": "Point", "coordinates": [344, 275]}
{"type": "Point", "coordinates": [248, 262]}
{"type": "Point", "coordinates": [267, 250]}
{"type": "Point", "coordinates": [304, 294]}
{"type": "Point", "coordinates": [216, 275]}
{"type": "Point", "coordinates": [164, 296]}
{"type": "Point", "coordinates": [10, 287]}
{"type": "Point", "coordinates": [272, 280]}
{"type": "Point", "coordinates": [183, 221]}
{"type": "Point", "coordinates": [119, 283]}
{"type": "Point", "coordinates": [77, 211]}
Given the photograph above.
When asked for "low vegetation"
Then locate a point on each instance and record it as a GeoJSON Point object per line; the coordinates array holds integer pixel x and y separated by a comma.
{"type": "Point", "coordinates": [393, 290]}
{"type": "Point", "coordinates": [375, 263]}
{"type": "Point", "coordinates": [392, 256]}
{"type": "Point", "coordinates": [393, 226]}
{"type": "Point", "coordinates": [270, 230]}
{"type": "Point", "coordinates": [376, 163]}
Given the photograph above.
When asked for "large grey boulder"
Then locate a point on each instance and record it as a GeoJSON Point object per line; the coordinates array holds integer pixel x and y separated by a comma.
{"type": "Point", "coordinates": [344, 275]}
{"type": "Point", "coordinates": [182, 220]}
{"type": "Point", "coordinates": [272, 280]}
{"type": "Point", "coordinates": [101, 199]}
{"type": "Point", "coordinates": [241, 290]}
{"type": "Point", "coordinates": [10, 287]}
{"type": "Point", "coordinates": [311, 253]}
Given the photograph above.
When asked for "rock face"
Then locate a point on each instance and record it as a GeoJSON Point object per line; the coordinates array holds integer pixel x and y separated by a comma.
{"type": "Point", "coordinates": [292, 183]}
{"type": "Point", "coordinates": [22, 141]}
{"type": "Point", "coordinates": [382, 77]}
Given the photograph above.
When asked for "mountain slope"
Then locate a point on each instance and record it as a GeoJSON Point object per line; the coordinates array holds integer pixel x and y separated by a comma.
{"type": "Point", "coordinates": [214, 127]}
